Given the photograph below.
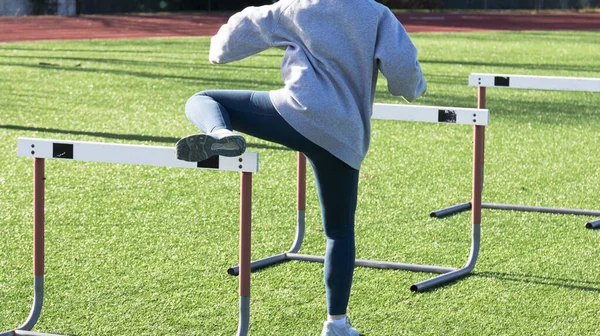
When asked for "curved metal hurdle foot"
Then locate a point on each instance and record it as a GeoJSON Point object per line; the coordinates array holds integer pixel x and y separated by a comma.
{"type": "Point", "coordinates": [38, 299]}
{"type": "Point", "coordinates": [244, 323]}
{"type": "Point", "coordinates": [34, 314]}
{"type": "Point", "coordinates": [36, 309]}
{"type": "Point", "coordinates": [455, 274]}
{"type": "Point", "coordinates": [31, 333]}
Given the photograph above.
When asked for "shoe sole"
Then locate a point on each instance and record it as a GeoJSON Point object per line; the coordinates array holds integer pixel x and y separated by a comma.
{"type": "Point", "coordinates": [198, 147]}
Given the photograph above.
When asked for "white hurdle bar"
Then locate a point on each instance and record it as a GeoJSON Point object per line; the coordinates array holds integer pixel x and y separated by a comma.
{"type": "Point", "coordinates": [535, 82]}
{"type": "Point", "coordinates": [482, 81]}
{"type": "Point", "coordinates": [479, 118]}
{"type": "Point", "coordinates": [41, 149]}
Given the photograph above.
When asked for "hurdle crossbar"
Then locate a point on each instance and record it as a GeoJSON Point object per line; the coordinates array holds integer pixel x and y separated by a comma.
{"type": "Point", "coordinates": [42, 149]}
{"type": "Point", "coordinates": [479, 118]}
{"type": "Point", "coordinates": [483, 81]}
{"type": "Point", "coordinates": [128, 154]}
{"type": "Point", "coordinates": [535, 82]}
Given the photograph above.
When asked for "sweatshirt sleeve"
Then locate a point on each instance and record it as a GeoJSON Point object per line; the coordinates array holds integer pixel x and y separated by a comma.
{"type": "Point", "coordinates": [396, 57]}
{"type": "Point", "coordinates": [246, 33]}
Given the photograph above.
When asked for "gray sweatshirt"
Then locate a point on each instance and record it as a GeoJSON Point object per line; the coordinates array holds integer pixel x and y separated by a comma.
{"type": "Point", "coordinates": [333, 51]}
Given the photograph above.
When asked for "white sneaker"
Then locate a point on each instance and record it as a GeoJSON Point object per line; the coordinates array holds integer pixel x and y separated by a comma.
{"type": "Point", "coordinates": [331, 329]}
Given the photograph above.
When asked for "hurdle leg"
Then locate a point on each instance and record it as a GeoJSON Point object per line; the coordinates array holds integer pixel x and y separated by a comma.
{"type": "Point", "coordinates": [38, 253]}
{"type": "Point", "coordinates": [461, 207]}
{"type": "Point", "coordinates": [477, 188]}
{"type": "Point", "coordinates": [300, 224]}
{"type": "Point", "coordinates": [245, 251]}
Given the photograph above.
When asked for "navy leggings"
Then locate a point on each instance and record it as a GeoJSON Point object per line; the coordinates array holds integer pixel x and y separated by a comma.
{"type": "Point", "coordinates": [252, 112]}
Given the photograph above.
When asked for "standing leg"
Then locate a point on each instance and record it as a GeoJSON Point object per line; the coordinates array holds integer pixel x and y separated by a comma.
{"type": "Point", "coordinates": [337, 186]}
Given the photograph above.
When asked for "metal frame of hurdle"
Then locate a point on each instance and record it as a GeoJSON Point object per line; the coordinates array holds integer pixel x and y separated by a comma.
{"type": "Point", "coordinates": [41, 149]}
{"type": "Point", "coordinates": [479, 118]}
{"type": "Point", "coordinates": [482, 81]}
{"type": "Point", "coordinates": [247, 164]}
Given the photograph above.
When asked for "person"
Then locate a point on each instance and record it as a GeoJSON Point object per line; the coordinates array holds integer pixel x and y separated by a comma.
{"type": "Point", "coordinates": [334, 50]}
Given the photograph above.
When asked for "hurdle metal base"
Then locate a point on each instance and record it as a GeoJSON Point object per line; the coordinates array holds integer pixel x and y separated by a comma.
{"type": "Point", "coordinates": [26, 333]}
{"type": "Point", "coordinates": [452, 210]}
{"type": "Point", "coordinates": [593, 224]}
{"type": "Point", "coordinates": [448, 274]}
{"type": "Point", "coordinates": [458, 208]}
{"type": "Point", "coordinates": [280, 258]}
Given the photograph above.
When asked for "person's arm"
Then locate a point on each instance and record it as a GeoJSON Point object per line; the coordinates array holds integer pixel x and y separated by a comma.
{"type": "Point", "coordinates": [246, 33]}
{"type": "Point", "coordinates": [397, 59]}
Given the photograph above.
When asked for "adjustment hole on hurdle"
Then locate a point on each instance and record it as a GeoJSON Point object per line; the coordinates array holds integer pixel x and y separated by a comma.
{"type": "Point", "coordinates": [240, 166]}
{"type": "Point", "coordinates": [32, 152]}
{"type": "Point", "coordinates": [474, 120]}
{"type": "Point", "coordinates": [240, 159]}
{"type": "Point", "coordinates": [32, 146]}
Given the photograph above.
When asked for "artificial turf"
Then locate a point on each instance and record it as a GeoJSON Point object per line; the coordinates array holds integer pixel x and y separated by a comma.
{"type": "Point", "coordinates": [136, 250]}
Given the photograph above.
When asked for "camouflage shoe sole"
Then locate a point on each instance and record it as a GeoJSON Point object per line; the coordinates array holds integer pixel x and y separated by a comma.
{"type": "Point", "coordinates": [199, 147]}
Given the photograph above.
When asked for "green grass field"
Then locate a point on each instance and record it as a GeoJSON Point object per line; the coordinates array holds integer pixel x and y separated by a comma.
{"type": "Point", "coordinates": [136, 250]}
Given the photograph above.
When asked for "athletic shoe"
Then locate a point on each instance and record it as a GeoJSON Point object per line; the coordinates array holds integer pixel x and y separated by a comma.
{"type": "Point", "coordinates": [199, 147]}
{"type": "Point", "coordinates": [331, 329]}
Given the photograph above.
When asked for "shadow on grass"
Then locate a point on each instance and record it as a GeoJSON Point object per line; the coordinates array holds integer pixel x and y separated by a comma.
{"type": "Point", "coordinates": [528, 66]}
{"type": "Point", "coordinates": [83, 61]}
{"type": "Point", "coordinates": [578, 284]}
{"type": "Point", "coordinates": [585, 285]}
{"type": "Point", "coordinates": [120, 136]}
{"type": "Point", "coordinates": [140, 74]}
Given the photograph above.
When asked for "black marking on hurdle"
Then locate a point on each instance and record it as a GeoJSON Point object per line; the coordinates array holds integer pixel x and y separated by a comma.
{"type": "Point", "coordinates": [211, 162]}
{"type": "Point", "coordinates": [447, 116]}
{"type": "Point", "coordinates": [62, 151]}
{"type": "Point", "coordinates": [501, 81]}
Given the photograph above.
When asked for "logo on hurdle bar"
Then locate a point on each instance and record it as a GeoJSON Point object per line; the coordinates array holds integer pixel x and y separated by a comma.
{"type": "Point", "coordinates": [447, 116]}
{"type": "Point", "coordinates": [62, 151]}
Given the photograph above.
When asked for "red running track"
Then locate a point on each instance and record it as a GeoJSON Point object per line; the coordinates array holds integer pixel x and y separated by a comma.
{"type": "Point", "coordinates": [34, 28]}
